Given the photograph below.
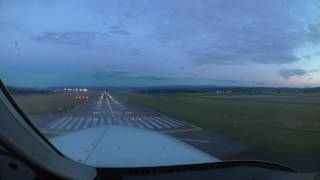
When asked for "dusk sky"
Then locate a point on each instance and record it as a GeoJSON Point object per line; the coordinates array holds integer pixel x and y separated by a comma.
{"type": "Point", "coordinates": [164, 42]}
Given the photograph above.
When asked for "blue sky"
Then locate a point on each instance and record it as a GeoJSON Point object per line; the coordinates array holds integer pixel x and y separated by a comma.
{"type": "Point", "coordinates": [164, 42]}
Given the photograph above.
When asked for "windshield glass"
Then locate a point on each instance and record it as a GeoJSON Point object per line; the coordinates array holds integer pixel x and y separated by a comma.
{"type": "Point", "coordinates": [224, 80]}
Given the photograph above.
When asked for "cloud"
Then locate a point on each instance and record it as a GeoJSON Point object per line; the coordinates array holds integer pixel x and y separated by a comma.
{"type": "Point", "coordinates": [235, 32]}
{"type": "Point", "coordinates": [103, 74]}
{"type": "Point", "coordinates": [120, 32]}
{"type": "Point", "coordinates": [289, 73]}
{"type": "Point", "coordinates": [314, 33]}
{"type": "Point", "coordinates": [122, 74]}
{"type": "Point", "coordinates": [135, 51]}
{"type": "Point", "coordinates": [117, 30]}
{"type": "Point", "coordinates": [141, 78]}
{"type": "Point", "coordinates": [74, 38]}
{"type": "Point", "coordinates": [263, 45]}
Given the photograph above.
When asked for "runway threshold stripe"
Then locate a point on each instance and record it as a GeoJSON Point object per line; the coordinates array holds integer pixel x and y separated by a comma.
{"type": "Point", "coordinates": [76, 127]}
{"type": "Point", "coordinates": [147, 123]}
{"type": "Point", "coordinates": [58, 122]}
{"type": "Point", "coordinates": [159, 122]}
{"type": "Point", "coordinates": [154, 123]}
{"type": "Point", "coordinates": [67, 124]}
{"type": "Point", "coordinates": [137, 123]}
{"type": "Point", "coordinates": [168, 122]}
{"type": "Point", "coordinates": [173, 121]}
{"type": "Point", "coordinates": [140, 122]}
{"type": "Point", "coordinates": [66, 121]}
{"type": "Point", "coordinates": [71, 123]}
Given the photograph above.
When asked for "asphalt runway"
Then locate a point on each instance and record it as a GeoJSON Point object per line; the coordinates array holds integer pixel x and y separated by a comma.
{"type": "Point", "coordinates": [109, 110]}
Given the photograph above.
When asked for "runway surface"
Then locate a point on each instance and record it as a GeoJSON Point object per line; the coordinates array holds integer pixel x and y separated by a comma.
{"type": "Point", "coordinates": [109, 110]}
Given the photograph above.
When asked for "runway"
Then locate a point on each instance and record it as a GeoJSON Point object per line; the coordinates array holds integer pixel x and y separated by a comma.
{"type": "Point", "coordinates": [107, 110]}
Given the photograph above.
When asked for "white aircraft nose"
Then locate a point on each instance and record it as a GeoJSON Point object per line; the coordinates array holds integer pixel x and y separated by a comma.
{"type": "Point", "coordinates": [128, 147]}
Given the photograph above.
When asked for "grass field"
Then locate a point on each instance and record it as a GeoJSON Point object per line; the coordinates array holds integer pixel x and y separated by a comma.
{"type": "Point", "coordinates": [282, 123]}
{"type": "Point", "coordinates": [46, 103]}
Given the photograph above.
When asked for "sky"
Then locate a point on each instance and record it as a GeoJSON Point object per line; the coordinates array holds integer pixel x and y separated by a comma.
{"type": "Point", "coordinates": [271, 43]}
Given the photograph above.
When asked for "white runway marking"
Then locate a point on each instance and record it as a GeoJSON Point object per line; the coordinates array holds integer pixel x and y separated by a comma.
{"type": "Point", "coordinates": [153, 123]}
{"type": "Point", "coordinates": [139, 125]}
{"type": "Point", "coordinates": [64, 123]}
{"type": "Point", "coordinates": [168, 122]}
{"type": "Point", "coordinates": [104, 114]}
{"type": "Point", "coordinates": [110, 107]}
{"type": "Point", "coordinates": [176, 122]}
{"type": "Point", "coordinates": [71, 123]}
{"type": "Point", "coordinates": [146, 124]}
{"type": "Point", "coordinates": [58, 122]}
{"type": "Point", "coordinates": [79, 123]}
{"type": "Point", "coordinates": [159, 122]}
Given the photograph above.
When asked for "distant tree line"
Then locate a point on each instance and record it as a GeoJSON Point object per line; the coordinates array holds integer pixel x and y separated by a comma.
{"type": "Point", "coordinates": [230, 90]}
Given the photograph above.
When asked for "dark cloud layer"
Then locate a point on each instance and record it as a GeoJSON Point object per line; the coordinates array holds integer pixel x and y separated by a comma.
{"type": "Point", "coordinates": [118, 74]}
{"type": "Point", "coordinates": [75, 38]}
{"type": "Point", "coordinates": [105, 75]}
{"type": "Point", "coordinates": [250, 44]}
{"type": "Point", "coordinates": [289, 73]}
{"type": "Point", "coordinates": [236, 31]}
{"type": "Point", "coordinates": [118, 30]}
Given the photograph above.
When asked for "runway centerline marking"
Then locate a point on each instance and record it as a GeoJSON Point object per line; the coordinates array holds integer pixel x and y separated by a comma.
{"type": "Point", "coordinates": [110, 106]}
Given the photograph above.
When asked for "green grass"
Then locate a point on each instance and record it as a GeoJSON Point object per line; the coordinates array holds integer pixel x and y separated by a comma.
{"type": "Point", "coordinates": [283, 123]}
{"type": "Point", "coordinates": [46, 103]}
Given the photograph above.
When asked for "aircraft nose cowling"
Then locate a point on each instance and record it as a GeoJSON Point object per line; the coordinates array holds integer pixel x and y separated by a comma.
{"type": "Point", "coordinates": [115, 146]}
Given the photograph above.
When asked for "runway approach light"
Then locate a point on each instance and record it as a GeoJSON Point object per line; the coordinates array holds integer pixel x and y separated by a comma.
{"type": "Point", "coordinates": [82, 97]}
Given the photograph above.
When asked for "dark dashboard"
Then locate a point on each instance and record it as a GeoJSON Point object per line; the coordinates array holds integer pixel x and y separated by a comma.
{"type": "Point", "coordinates": [11, 168]}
